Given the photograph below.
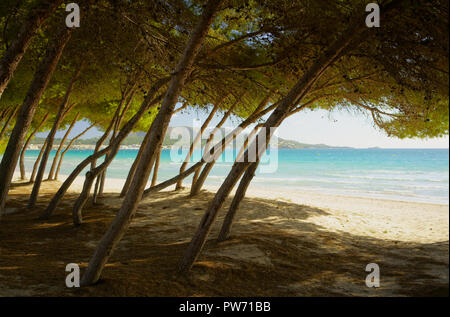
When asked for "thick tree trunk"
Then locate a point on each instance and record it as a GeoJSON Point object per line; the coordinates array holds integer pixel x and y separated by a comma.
{"type": "Point", "coordinates": [51, 174]}
{"type": "Point", "coordinates": [157, 132]}
{"type": "Point", "coordinates": [13, 55]}
{"type": "Point", "coordinates": [127, 128]}
{"type": "Point", "coordinates": [197, 139]}
{"type": "Point", "coordinates": [27, 110]}
{"type": "Point", "coordinates": [62, 112]}
{"type": "Point", "coordinates": [5, 126]}
{"type": "Point", "coordinates": [68, 148]}
{"type": "Point", "coordinates": [27, 142]}
{"type": "Point", "coordinates": [274, 120]}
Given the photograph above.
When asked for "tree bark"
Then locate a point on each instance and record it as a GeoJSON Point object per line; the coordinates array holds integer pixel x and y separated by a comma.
{"type": "Point", "coordinates": [41, 78]}
{"type": "Point", "coordinates": [129, 94]}
{"type": "Point", "coordinates": [68, 147]}
{"type": "Point", "coordinates": [294, 96]}
{"type": "Point", "coordinates": [242, 188]}
{"type": "Point", "coordinates": [197, 139]}
{"type": "Point", "coordinates": [238, 196]}
{"type": "Point", "coordinates": [200, 179]}
{"type": "Point", "coordinates": [157, 132]}
{"type": "Point", "coordinates": [62, 112]}
{"type": "Point", "coordinates": [197, 167]}
{"type": "Point", "coordinates": [36, 163]}
{"type": "Point", "coordinates": [155, 168]}
{"type": "Point", "coordinates": [13, 55]}
{"type": "Point", "coordinates": [132, 170]}
{"type": "Point", "coordinates": [51, 174]}
{"type": "Point", "coordinates": [27, 142]}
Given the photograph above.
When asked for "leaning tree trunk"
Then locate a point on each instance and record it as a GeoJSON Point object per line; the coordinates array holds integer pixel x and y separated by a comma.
{"type": "Point", "coordinates": [238, 196]}
{"type": "Point", "coordinates": [3, 113]}
{"type": "Point", "coordinates": [27, 110]}
{"type": "Point", "coordinates": [51, 174]}
{"type": "Point", "coordinates": [197, 167]}
{"type": "Point", "coordinates": [27, 142]}
{"type": "Point", "coordinates": [274, 120]}
{"type": "Point", "coordinates": [211, 135]}
{"type": "Point", "coordinates": [5, 126]}
{"type": "Point", "coordinates": [36, 162]}
{"type": "Point", "coordinates": [199, 180]}
{"type": "Point", "coordinates": [99, 173]}
{"type": "Point", "coordinates": [127, 128]}
{"type": "Point", "coordinates": [68, 148]}
{"type": "Point", "coordinates": [197, 139]}
{"type": "Point", "coordinates": [132, 170]}
{"type": "Point", "coordinates": [242, 188]}
{"type": "Point", "coordinates": [13, 55]}
{"type": "Point", "coordinates": [156, 168]}
{"type": "Point", "coordinates": [157, 132]}
{"type": "Point", "coordinates": [100, 183]}
{"type": "Point", "coordinates": [63, 111]}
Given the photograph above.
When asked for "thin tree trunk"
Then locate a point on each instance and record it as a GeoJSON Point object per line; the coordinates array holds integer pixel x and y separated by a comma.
{"type": "Point", "coordinates": [36, 163]}
{"type": "Point", "coordinates": [5, 126]}
{"type": "Point", "coordinates": [293, 97]}
{"type": "Point", "coordinates": [111, 126]}
{"type": "Point", "coordinates": [242, 188]}
{"type": "Point", "coordinates": [3, 113]}
{"type": "Point", "coordinates": [13, 55]}
{"type": "Point", "coordinates": [68, 147]}
{"type": "Point", "coordinates": [211, 136]}
{"type": "Point", "coordinates": [129, 94]}
{"type": "Point", "coordinates": [41, 78]}
{"type": "Point", "coordinates": [51, 174]}
{"type": "Point", "coordinates": [173, 180]}
{"type": "Point", "coordinates": [197, 167]}
{"type": "Point", "coordinates": [155, 168]}
{"type": "Point", "coordinates": [238, 196]}
{"type": "Point", "coordinates": [127, 128]}
{"type": "Point", "coordinates": [62, 112]}
{"type": "Point", "coordinates": [132, 171]}
{"type": "Point", "coordinates": [197, 139]}
{"type": "Point", "coordinates": [247, 139]}
{"type": "Point", "coordinates": [157, 132]}
{"type": "Point", "coordinates": [27, 142]}
{"type": "Point", "coordinates": [200, 179]}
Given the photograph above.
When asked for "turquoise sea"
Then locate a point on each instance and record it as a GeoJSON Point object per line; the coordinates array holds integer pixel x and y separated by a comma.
{"type": "Point", "coordinates": [401, 174]}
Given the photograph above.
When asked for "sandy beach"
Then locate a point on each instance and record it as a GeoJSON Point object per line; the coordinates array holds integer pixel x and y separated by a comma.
{"type": "Point", "coordinates": [372, 217]}
{"type": "Point", "coordinates": [312, 244]}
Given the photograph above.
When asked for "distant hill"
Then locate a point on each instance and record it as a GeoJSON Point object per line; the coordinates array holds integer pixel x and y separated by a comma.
{"type": "Point", "coordinates": [291, 144]}
{"type": "Point", "coordinates": [137, 138]}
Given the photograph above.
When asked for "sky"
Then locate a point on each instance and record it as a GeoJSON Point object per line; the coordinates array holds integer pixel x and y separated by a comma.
{"type": "Point", "coordinates": [338, 128]}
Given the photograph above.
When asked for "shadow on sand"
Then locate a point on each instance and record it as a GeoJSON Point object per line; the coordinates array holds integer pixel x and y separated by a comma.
{"type": "Point", "coordinates": [273, 251]}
